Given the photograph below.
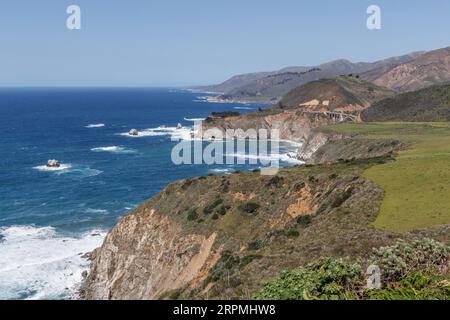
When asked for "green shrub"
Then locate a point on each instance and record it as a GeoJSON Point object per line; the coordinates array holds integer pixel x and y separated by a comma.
{"type": "Point", "coordinates": [250, 207]}
{"type": "Point", "coordinates": [222, 210]}
{"type": "Point", "coordinates": [210, 207]}
{"type": "Point", "coordinates": [291, 233]}
{"type": "Point", "coordinates": [215, 216]}
{"type": "Point", "coordinates": [340, 199]}
{"type": "Point", "coordinates": [224, 266]}
{"type": "Point", "coordinates": [322, 279]}
{"type": "Point", "coordinates": [304, 220]}
{"type": "Point", "coordinates": [249, 258]}
{"type": "Point", "coordinates": [415, 270]}
{"type": "Point", "coordinates": [192, 214]}
{"type": "Point", "coordinates": [255, 245]}
{"type": "Point", "coordinates": [403, 257]}
{"type": "Point", "coordinates": [274, 181]}
{"type": "Point", "coordinates": [419, 285]}
{"type": "Point", "coordinates": [298, 186]}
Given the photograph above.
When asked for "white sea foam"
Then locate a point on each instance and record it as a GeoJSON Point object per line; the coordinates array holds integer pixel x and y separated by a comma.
{"type": "Point", "coordinates": [69, 169]}
{"type": "Point", "coordinates": [244, 108]}
{"type": "Point", "coordinates": [85, 172]}
{"type": "Point", "coordinates": [92, 210]}
{"type": "Point", "coordinates": [285, 157]}
{"type": "Point", "coordinates": [174, 133]}
{"type": "Point", "coordinates": [62, 167]}
{"type": "Point", "coordinates": [113, 149]}
{"type": "Point", "coordinates": [39, 263]}
{"type": "Point", "coordinates": [95, 125]}
{"type": "Point", "coordinates": [194, 119]}
{"type": "Point", "coordinates": [222, 170]}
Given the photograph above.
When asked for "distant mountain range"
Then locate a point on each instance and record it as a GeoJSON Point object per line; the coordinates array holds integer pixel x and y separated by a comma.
{"type": "Point", "coordinates": [403, 73]}
{"type": "Point", "coordinates": [427, 69]}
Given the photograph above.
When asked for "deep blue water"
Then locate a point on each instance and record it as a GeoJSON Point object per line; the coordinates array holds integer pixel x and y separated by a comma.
{"type": "Point", "coordinates": [48, 217]}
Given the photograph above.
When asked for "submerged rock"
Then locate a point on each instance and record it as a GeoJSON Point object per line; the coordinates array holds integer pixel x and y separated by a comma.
{"type": "Point", "coordinates": [133, 132]}
{"type": "Point", "coordinates": [53, 164]}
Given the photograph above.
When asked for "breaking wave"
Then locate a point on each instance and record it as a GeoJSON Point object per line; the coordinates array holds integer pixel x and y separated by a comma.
{"type": "Point", "coordinates": [113, 149]}
{"type": "Point", "coordinates": [95, 125]}
{"type": "Point", "coordinates": [40, 263]}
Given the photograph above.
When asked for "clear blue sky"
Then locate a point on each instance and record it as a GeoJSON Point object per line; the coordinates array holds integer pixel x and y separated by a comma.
{"type": "Point", "coordinates": [184, 42]}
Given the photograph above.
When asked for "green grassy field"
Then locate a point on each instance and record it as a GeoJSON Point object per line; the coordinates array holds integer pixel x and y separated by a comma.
{"type": "Point", "coordinates": [417, 184]}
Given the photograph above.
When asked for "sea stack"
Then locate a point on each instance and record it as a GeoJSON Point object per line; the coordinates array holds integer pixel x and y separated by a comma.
{"type": "Point", "coordinates": [179, 126]}
{"type": "Point", "coordinates": [53, 164]}
{"type": "Point", "coordinates": [133, 132]}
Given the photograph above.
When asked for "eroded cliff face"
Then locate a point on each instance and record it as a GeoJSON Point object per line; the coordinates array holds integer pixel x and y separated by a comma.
{"type": "Point", "coordinates": [144, 256]}
{"type": "Point", "coordinates": [335, 148]}
{"type": "Point", "coordinates": [224, 236]}
{"type": "Point", "coordinates": [293, 124]}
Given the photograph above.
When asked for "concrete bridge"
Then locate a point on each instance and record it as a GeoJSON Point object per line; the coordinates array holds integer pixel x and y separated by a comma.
{"type": "Point", "coordinates": [337, 116]}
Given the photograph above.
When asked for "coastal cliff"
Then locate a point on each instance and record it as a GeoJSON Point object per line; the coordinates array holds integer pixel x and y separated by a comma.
{"type": "Point", "coordinates": [294, 124]}
{"type": "Point", "coordinates": [225, 236]}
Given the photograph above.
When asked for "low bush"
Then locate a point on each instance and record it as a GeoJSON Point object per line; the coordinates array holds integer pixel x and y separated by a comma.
{"type": "Point", "coordinates": [224, 266]}
{"type": "Point", "coordinates": [250, 207]}
{"type": "Point", "coordinates": [403, 257]}
{"type": "Point", "coordinates": [341, 198]}
{"type": "Point", "coordinates": [210, 207]}
{"type": "Point", "coordinates": [414, 270]}
{"type": "Point", "coordinates": [222, 209]}
{"type": "Point", "coordinates": [304, 220]}
{"type": "Point", "coordinates": [255, 245]}
{"type": "Point", "coordinates": [291, 233]}
{"type": "Point", "coordinates": [192, 214]}
{"type": "Point", "coordinates": [323, 279]}
{"type": "Point", "coordinates": [419, 285]}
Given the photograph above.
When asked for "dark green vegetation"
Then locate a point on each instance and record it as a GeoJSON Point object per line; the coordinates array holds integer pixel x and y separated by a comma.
{"type": "Point", "coordinates": [430, 104]}
{"type": "Point", "coordinates": [220, 115]}
{"type": "Point", "coordinates": [340, 92]}
{"type": "Point", "coordinates": [409, 271]}
{"type": "Point", "coordinates": [225, 114]}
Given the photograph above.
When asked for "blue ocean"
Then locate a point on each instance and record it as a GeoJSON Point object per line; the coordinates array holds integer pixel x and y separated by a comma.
{"type": "Point", "coordinates": [51, 217]}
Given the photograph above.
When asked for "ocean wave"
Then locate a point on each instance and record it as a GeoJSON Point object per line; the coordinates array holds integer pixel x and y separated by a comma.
{"type": "Point", "coordinates": [91, 210]}
{"type": "Point", "coordinates": [194, 119]}
{"type": "Point", "coordinates": [95, 125]}
{"type": "Point", "coordinates": [40, 263]}
{"type": "Point", "coordinates": [70, 170]}
{"type": "Point", "coordinates": [222, 170]}
{"type": "Point", "coordinates": [113, 149]}
{"type": "Point", "coordinates": [244, 108]}
{"type": "Point", "coordinates": [174, 133]}
{"type": "Point", "coordinates": [289, 157]}
{"type": "Point", "coordinates": [62, 167]}
{"type": "Point", "coordinates": [85, 172]}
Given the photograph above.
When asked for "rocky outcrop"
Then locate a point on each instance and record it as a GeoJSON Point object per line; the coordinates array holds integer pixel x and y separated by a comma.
{"type": "Point", "coordinates": [345, 149]}
{"type": "Point", "coordinates": [294, 124]}
{"type": "Point", "coordinates": [313, 143]}
{"type": "Point", "coordinates": [144, 256]}
{"type": "Point", "coordinates": [53, 163]}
